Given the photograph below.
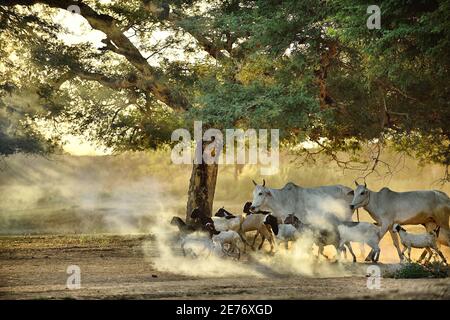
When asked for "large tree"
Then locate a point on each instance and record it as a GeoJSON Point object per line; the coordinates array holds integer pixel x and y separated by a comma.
{"type": "Point", "coordinates": [310, 68]}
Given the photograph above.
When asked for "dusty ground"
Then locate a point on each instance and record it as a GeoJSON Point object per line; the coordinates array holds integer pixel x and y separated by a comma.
{"type": "Point", "coordinates": [114, 267]}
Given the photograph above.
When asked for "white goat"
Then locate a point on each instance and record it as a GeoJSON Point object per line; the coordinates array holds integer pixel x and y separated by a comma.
{"type": "Point", "coordinates": [225, 221]}
{"type": "Point", "coordinates": [200, 245]}
{"type": "Point", "coordinates": [260, 223]}
{"type": "Point", "coordinates": [426, 240]}
{"type": "Point", "coordinates": [230, 238]}
{"type": "Point", "coordinates": [225, 224]}
{"type": "Point", "coordinates": [362, 232]}
{"type": "Point", "coordinates": [286, 233]}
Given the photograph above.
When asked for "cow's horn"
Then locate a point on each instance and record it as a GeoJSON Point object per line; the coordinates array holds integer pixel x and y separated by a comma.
{"type": "Point", "coordinates": [264, 182]}
{"type": "Point", "coordinates": [365, 184]}
{"type": "Point", "coordinates": [254, 182]}
{"type": "Point", "coordinates": [356, 183]}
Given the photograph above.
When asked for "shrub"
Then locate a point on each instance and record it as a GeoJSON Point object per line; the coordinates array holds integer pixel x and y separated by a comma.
{"type": "Point", "coordinates": [416, 270]}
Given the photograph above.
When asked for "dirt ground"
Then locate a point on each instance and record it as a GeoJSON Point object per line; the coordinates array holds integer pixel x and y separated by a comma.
{"type": "Point", "coordinates": [115, 267]}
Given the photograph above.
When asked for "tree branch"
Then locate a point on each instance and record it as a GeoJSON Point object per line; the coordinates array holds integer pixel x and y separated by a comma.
{"type": "Point", "coordinates": [120, 44]}
{"type": "Point", "coordinates": [176, 18]}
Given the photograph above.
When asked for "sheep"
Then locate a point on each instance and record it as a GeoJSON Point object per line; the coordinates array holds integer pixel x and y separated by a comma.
{"type": "Point", "coordinates": [229, 237]}
{"type": "Point", "coordinates": [224, 220]}
{"type": "Point", "coordinates": [320, 236]}
{"type": "Point", "coordinates": [200, 217]}
{"type": "Point", "coordinates": [248, 212]}
{"type": "Point", "coordinates": [424, 240]}
{"type": "Point", "coordinates": [443, 237]}
{"type": "Point", "coordinates": [183, 227]}
{"type": "Point", "coordinates": [363, 232]}
{"type": "Point", "coordinates": [261, 223]}
{"type": "Point", "coordinates": [196, 245]}
{"type": "Point", "coordinates": [218, 236]}
{"type": "Point", "coordinates": [254, 222]}
{"type": "Point", "coordinates": [286, 233]}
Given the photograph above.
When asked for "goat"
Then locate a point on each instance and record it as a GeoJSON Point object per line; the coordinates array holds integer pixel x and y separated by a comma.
{"type": "Point", "coordinates": [225, 225]}
{"type": "Point", "coordinates": [320, 236]}
{"type": "Point", "coordinates": [201, 218]}
{"type": "Point", "coordinates": [196, 245]}
{"type": "Point", "coordinates": [264, 224]}
{"type": "Point", "coordinates": [424, 240]}
{"type": "Point", "coordinates": [286, 233]}
{"type": "Point", "coordinates": [229, 237]}
{"type": "Point", "coordinates": [224, 220]}
{"type": "Point", "coordinates": [363, 232]}
{"type": "Point", "coordinates": [182, 226]}
{"type": "Point", "coordinates": [248, 212]}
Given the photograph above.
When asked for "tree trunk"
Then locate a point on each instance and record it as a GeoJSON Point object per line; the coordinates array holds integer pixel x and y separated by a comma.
{"type": "Point", "coordinates": [202, 187]}
{"type": "Point", "coordinates": [326, 58]}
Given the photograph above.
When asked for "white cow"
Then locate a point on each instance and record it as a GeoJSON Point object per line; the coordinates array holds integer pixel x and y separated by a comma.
{"type": "Point", "coordinates": [325, 207]}
{"type": "Point", "coordinates": [387, 207]}
{"type": "Point", "coordinates": [305, 203]}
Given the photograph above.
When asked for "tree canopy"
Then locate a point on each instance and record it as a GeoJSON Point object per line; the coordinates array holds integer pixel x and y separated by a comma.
{"type": "Point", "coordinates": [310, 68]}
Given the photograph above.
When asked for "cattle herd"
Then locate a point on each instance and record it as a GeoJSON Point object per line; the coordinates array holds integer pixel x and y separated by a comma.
{"type": "Point", "coordinates": [323, 215]}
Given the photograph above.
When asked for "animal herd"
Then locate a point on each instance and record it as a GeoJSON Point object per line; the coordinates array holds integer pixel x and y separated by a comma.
{"type": "Point", "coordinates": [323, 215]}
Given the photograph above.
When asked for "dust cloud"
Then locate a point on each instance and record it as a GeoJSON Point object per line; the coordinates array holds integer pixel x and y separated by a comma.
{"type": "Point", "coordinates": [140, 192]}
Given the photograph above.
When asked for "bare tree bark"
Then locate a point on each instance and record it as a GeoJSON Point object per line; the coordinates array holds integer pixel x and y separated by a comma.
{"type": "Point", "coordinates": [202, 187]}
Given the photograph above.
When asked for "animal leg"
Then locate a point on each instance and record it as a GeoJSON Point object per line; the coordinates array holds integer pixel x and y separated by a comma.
{"type": "Point", "coordinates": [422, 256]}
{"type": "Point", "coordinates": [320, 253]}
{"type": "Point", "coordinates": [269, 236]}
{"type": "Point", "coordinates": [262, 242]}
{"type": "Point", "coordinates": [377, 255]}
{"type": "Point", "coordinates": [396, 243]}
{"type": "Point", "coordinates": [254, 239]}
{"type": "Point", "coordinates": [345, 253]}
{"type": "Point", "coordinates": [273, 244]}
{"type": "Point", "coordinates": [369, 256]}
{"type": "Point", "coordinates": [383, 229]}
{"type": "Point", "coordinates": [404, 250]}
{"type": "Point", "coordinates": [439, 252]}
{"type": "Point", "coordinates": [376, 251]}
{"type": "Point", "coordinates": [349, 246]}
{"type": "Point", "coordinates": [244, 240]}
{"type": "Point", "coordinates": [430, 254]}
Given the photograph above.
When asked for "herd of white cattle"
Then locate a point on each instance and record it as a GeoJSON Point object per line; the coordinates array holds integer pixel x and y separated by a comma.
{"type": "Point", "coordinates": [325, 214]}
